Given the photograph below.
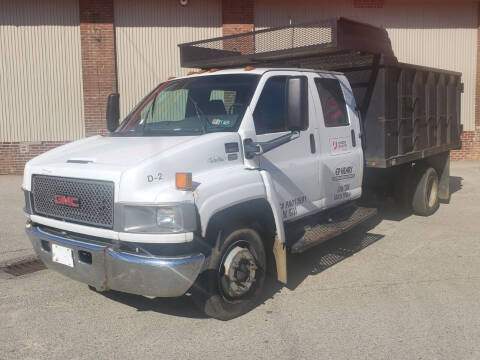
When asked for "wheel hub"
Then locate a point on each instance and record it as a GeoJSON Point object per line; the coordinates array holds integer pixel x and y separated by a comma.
{"type": "Point", "coordinates": [239, 275]}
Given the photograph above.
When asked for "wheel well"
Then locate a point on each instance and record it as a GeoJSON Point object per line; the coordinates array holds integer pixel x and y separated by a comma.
{"type": "Point", "coordinates": [254, 213]}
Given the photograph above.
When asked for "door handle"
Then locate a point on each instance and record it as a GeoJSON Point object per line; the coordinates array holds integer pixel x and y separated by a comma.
{"type": "Point", "coordinates": [312, 144]}
{"type": "Point", "coordinates": [354, 141]}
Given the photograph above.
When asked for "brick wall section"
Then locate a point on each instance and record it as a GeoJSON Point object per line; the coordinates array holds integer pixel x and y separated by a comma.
{"type": "Point", "coordinates": [99, 72]}
{"type": "Point", "coordinates": [368, 4]}
{"type": "Point", "coordinates": [470, 146]}
{"type": "Point", "coordinates": [14, 155]}
{"type": "Point", "coordinates": [237, 18]}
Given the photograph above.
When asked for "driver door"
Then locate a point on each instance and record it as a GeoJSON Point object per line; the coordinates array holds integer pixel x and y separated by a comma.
{"type": "Point", "coordinates": [293, 166]}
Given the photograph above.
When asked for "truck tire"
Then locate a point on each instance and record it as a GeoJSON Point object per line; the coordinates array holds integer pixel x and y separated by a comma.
{"type": "Point", "coordinates": [234, 277]}
{"type": "Point", "coordinates": [425, 195]}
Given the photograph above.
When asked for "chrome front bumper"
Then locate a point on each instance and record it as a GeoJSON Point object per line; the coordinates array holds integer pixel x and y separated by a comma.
{"type": "Point", "coordinates": [105, 269]}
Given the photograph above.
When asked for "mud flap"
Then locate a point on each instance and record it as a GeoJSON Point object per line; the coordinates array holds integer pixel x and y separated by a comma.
{"type": "Point", "coordinates": [280, 253]}
{"type": "Point", "coordinates": [441, 163]}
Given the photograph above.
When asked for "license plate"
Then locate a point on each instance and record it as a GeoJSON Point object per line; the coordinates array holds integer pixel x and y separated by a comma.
{"type": "Point", "coordinates": [62, 255]}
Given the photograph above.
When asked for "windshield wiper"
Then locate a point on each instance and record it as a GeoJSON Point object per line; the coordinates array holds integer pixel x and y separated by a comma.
{"type": "Point", "coordinates": [149, 113]}
{"type": "Point", "coordinates": [198, 111]}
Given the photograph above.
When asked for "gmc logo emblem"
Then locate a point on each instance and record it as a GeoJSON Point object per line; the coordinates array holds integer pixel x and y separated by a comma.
{"type": "Point", "coordinates": [66, 200]}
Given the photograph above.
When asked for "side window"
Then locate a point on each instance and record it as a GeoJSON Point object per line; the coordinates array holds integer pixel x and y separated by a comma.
{"type": "Point", "coordinates": [270, 112]}
{"type": "Point", "coordinates": [333, 102]}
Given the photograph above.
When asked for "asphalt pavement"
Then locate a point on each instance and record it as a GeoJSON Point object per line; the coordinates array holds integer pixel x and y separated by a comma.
{"type": "Point", "coordinates": [399, 287]}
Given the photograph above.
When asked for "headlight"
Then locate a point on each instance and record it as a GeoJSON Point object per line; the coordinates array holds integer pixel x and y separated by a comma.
{"type": "Point", "coordinates": [159, 219]}
{"type": "Point", "coordinates": [170, 219]}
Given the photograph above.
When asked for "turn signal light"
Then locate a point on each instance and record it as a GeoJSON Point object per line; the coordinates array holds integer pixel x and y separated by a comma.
{"type": "Point", "coordinates": [249, 68]}
{"type": "Point", "coordinates": [213, 70]}
{"type": "Point", "coordinates": [183, 181]}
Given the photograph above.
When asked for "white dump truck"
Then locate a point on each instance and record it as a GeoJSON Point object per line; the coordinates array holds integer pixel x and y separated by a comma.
{"type": "Point", "coordinates": [213, 177]}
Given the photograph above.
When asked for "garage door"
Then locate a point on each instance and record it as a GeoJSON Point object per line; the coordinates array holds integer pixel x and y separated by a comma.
{"type": "Point", "coordinates": [40, 71]}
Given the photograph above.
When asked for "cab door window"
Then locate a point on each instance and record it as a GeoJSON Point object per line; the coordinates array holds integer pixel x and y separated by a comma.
{"type": "Point", "coordinates": [270, 113]}
{"type": "Point", "coordinates": [333, 102]}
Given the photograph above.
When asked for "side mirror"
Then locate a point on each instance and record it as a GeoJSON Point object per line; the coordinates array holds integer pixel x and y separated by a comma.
{"type": "Point", "coordinates": [297, 103]}
{"type": "Point", "coordinates": [113, 111]}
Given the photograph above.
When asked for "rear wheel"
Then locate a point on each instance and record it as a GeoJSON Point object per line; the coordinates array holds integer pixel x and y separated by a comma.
{"type": "Point", "coordinates": [233, 281]}
{"type": "Point", "coordinates": [425, 195]}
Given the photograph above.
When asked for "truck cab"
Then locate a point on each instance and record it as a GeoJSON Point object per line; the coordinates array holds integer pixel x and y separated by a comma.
{"type": "Point", "coordinates": [192, 190]}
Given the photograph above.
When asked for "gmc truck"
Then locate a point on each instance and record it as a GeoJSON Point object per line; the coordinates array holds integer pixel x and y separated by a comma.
{"type": "Point", "coordinates": [271, 148]}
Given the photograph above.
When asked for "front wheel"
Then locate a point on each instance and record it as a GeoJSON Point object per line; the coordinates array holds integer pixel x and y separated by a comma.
{"type": "Point", "coordinates": [233, 281]}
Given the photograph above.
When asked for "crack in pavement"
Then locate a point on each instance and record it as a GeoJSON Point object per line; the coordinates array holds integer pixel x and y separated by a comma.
{"type": "Point", "coordinates": [13, 251]}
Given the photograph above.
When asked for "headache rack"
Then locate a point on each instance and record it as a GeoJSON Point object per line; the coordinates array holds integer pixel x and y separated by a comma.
{"type": "Point", "coordinates": [336, 39]}
{"type": "Point", "coordinates": [408, 111]}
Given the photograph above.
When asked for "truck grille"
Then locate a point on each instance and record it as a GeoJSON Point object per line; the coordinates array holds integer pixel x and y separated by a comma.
{"type": "Point", "coordinates": [77, 200]}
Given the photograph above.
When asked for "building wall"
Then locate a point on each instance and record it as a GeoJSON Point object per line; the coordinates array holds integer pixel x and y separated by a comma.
{"type": "Point", "coordinates": [40, 71]}
{"type": "Point", "coordinates": [434, 33]}
{"type": "Point", "coordinates": [59, 59]}
{"type": "Point", "coordinates": [147, 34]}
{"type": "Point", "coordinates": [237, 16]}
{"type": "Point", "coordinates": [97, 33]}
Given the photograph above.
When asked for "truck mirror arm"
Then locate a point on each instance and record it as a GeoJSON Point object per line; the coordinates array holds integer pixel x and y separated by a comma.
{"type": "Point", "coordinates": [253, 149]}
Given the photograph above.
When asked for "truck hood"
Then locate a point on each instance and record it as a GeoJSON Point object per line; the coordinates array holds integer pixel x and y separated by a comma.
{"type": "Point", "coordinates": [140, 167]}
{"type": "Point", "coordinates": [109, 150]}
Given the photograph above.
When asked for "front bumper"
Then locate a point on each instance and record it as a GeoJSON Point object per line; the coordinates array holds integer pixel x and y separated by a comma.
{"type": "Point", "coordinates": [104, 268]}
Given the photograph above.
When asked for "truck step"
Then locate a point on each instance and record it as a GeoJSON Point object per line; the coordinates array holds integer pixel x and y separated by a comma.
{"type": "Point", "coordinates": [307, 234]}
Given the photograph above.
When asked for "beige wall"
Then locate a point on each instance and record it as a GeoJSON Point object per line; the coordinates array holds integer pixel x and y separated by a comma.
{"type": "Point", "coordinates": [147, 34]}
{"type": "Point", "coordinates": [40, 57]}
{"type": "Point", "coordinates": [40, 71]}
{"type": "Point", "coordinates": [427, 33]}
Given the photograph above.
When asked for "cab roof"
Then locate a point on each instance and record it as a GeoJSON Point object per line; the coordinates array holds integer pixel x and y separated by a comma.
{"type": "Point", "coordinates": [257, 71]}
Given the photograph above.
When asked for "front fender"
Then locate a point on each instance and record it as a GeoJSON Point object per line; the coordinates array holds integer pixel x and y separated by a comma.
{"type": "Point", "coordinates": [224, 188]}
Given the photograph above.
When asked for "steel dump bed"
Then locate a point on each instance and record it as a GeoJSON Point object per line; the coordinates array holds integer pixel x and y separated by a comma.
{"type": "Point", "coordinates": [409, 112]}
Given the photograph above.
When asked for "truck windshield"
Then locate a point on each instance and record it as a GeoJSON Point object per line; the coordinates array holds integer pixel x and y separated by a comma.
{"type": "Point", "coordinates": [192, 106]}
